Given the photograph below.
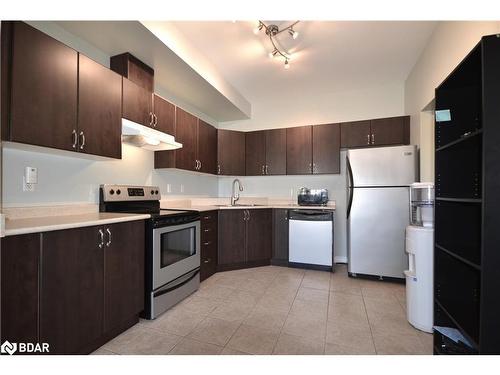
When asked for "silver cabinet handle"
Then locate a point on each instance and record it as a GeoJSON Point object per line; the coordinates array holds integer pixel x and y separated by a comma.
{"type": "Point", "coordinates": [314, 168]}
{"type": "Point", "coordinates": [245, 215]}
{"type": "Point", "coordinates": [218, 169]}
{"type": "Point", "coordinates": [373, 138]}
{"type": "Point", "coordinates": [248, 215]}
{"type": "Point", "coordinates": [82, 144]}
{"type": "Point", "coordinates": [206, 261]}
{"type": "Point", "coordinates": [101, 237]}
{"type": "Point", "coordinates": [207, 243]}
{"type": "Point", "coordinates": [267, 169]}
{"type": "Point", "coordinates": [206, 230]}
{"type": "Point", "coordinates": [368, 139]}
{"type": "Point", "coordinates": [200, 164]}
{"type": "Point", "coordinates": [155, 120]}
{"type": "Point", "coordinates": [150, 118]}
{"type": "Point", "coordinates": [263, 170]}
{"type": "Point", "coordinates": [75, 138]}
{"type": "Point", "coordinates": [310, 167]}
{"type": "Point", "coordinates": [108, 244]}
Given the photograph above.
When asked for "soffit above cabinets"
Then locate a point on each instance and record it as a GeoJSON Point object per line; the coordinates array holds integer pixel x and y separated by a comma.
{"type": "Point", "coordinates": [196, 83]}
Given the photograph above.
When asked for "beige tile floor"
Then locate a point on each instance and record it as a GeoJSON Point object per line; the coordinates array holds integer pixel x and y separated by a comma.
{"type": "Point", "coordinates": [278, 310]}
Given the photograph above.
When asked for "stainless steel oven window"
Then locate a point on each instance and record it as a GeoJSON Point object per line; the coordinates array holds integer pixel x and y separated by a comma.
{"type": "Point", "coordinates": [177, 245]}
{"type": "Point", "coordinates": [162, 273]}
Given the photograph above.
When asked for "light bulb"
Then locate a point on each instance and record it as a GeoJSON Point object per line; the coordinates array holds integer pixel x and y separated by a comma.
{"type": "Point", "coordinates": [294, 34]}
{"type": "Point", "coordinates": [287, 65]}
{"type": "Point", "coordinates": [273, 54]}
{"type": "Point", "coordinates": [256, 31]}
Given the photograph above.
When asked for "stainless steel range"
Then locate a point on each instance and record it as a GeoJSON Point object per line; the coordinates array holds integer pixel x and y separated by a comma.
{"type": "Point", "coordinates": [172, 244]}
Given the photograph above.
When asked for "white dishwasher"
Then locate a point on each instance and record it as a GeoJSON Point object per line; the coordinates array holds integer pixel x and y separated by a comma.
{"type": "Point", "coordinates": [311, 239]}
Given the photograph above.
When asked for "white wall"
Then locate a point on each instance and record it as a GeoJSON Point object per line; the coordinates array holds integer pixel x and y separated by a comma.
{"type": "Point", "coordinates": [448, 45]}
{"type": "Point", "coordinates": [279, 109]}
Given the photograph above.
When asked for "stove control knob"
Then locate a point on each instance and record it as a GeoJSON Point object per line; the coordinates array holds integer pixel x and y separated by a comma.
{"type": "Point", "coordinates": [152, 192]}
{"type": "Point", "coordinates": [118, 192]}
{"type": "Point", "coordinates": [156, 191]}
{"type": "Point", "coordinates": [111, 192]}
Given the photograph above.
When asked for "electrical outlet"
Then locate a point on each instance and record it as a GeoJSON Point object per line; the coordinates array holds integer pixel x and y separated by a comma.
{"type": "Point", "coordinates": [28, 186]}
{"type": "Point", "coordinates": [169, 188]}
{"type": "Point", "coordinates": [182, 188]}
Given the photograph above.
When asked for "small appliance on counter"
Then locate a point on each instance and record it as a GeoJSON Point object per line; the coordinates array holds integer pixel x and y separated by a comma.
{"type": "Point", "coordinates": [312, 197]}
{"type": "Point", "coordinates": [172, 244]}
{"type": "Point", "coordinates": [420, 249]}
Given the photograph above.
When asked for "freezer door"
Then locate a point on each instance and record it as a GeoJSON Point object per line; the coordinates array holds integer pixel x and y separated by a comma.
{"type": "Point", "coordinates": [383, 166]}
{"type": "Point", "coordinates": [376, 231]}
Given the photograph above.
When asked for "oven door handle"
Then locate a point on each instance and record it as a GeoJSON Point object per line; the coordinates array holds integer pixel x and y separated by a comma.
{"type": "Point", "coordinates": [177, 284]}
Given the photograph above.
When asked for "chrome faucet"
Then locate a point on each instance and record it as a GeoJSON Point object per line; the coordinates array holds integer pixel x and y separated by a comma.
{"type": "Point", "coordinates": [235, 195]}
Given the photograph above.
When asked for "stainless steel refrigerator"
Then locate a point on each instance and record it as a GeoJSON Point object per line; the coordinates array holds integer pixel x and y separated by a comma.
{"type": "Point", "coordinates": [378, 209]}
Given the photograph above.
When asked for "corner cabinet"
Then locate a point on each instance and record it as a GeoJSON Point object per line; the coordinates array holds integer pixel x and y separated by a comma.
{"type": "Point", "coordinates": [58, 98]}
{"type": "Point", "coordinates": [245, 238]}
{"type": "Point", "coordinates": [231, 153]}
{"type": "Point", "coordinates": [80, 287]}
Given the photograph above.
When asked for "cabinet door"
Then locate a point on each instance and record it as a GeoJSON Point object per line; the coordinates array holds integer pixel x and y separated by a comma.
{"type": "Point", "coordinates": [391, 131]}
{"type": "Point", "coordinates": [299, 150]}
{"type": "Point", "coordinates": [326, 148]}
{"type": "Point", "coordinates": [123, 272]}
{"type": "Point", "coordinates": [19, 283]}
{"type": "Point", "coordinates": [231, 153]}
{"type": "Point", "coordinates": [137, 103]}
{"type": "Point", "coordinates": [186, 132]}
{"type": "Point", "coordinates": [259, 235]}
{"type": "Point", "coordinates": [280, 237]}
{"type": "Point", "coordinates": [276, 152]}
{"type": "Point", "coordinates": [99, 109]}
{"type": "Point", "coordinates": [165, 115]}
{"type": "Point", "coordinates": [355, 134]}
{"type": "Point", "coordinates": [208, 254]}
{"type": "Point", "coordinates": [71, 296]}
{"type": "Point", "coordinates": [255, 153]}
{"type": "Point", "coordinates": [231, 238]}
{"type": "Point", "coordinates": [207, 147]}
{"type": "Point", "coordinates": [44, 89]}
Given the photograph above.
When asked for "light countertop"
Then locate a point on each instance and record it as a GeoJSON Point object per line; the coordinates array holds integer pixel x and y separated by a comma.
{"type": "Point", "coordinates": [59, 222]}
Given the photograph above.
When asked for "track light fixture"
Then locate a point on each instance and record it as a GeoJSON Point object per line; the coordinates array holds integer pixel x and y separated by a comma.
{"type": "Point", "coordinates": [272, 31]}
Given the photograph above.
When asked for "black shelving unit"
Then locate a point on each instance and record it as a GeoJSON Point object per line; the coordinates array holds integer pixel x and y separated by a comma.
{"type": "Point", "coordinates": [467, 209]}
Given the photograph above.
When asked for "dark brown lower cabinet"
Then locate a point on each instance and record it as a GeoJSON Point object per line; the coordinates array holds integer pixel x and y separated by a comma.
{"type": "Point", "coordinates": [19, 257]}
{"type": "Point", "coordinates": [259, 235]}
{"type": "Point", "coordinates": [280, 237]}
{"type": "Point", "coordinates": [208, 244]}
{"type": "Point", "coordinates": [123, 273]}
{"type": "Point", "coordinates": [245, 238]}
{"type": "Point", "coordinates": [73, 289]}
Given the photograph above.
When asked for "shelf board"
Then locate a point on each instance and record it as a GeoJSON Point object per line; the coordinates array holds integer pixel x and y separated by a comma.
{"type": "Point", "coordinates": [460, 200]}
{"type": "Point", "coordinates": [467, 336]}
{"type": "Point", "coordinates": [458, 257]}
{"type": "Point", "coordinates": [460, 140]}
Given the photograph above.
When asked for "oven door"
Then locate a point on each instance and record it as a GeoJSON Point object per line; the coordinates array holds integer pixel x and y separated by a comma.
{"type": "Point", "coordinates": [176, 251]}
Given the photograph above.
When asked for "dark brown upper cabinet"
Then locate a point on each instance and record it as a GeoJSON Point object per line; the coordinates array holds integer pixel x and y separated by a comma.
{"type": "Point", "coordinates": [134, 69]}
{"type": "Point", "coordinates": [378, 132]}
{"type": "Point", "coordinates": [99, 109]}
{"type": "Point", "coordinates": [390, 131]}
{"type": "Point", "coordinates": [355, 134]}
{"type": "Point", "coordinates": [207, 147]}
{"type": "Point", "coordinates": [326, 148]}
{"type": "Point", "coordinates": [265, 152]}
{"type": "Point", "coordinates": [137, 103]}
{"type": "Point", "coordinates": [44, 84]}
{"type": "Point", "coordinates": [255, 153]}
{"type": "Point", "coordinates": [165, 115]}
{"type": "Point", "coordinates": [231, 153]}
{"type": "Point", "coordinates": [276, 152]}
{"type": "Point", "coordinates": [299, 150]}
{"type": "Point", "coordinates": [186, 133]}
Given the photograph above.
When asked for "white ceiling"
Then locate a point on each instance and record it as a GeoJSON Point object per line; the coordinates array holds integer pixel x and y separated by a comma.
{"type": "Point", "coordinates": [331, 56]}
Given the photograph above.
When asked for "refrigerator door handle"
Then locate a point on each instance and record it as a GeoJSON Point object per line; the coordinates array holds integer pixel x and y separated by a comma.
{"type": "Point", "coordinates": [350, 188]}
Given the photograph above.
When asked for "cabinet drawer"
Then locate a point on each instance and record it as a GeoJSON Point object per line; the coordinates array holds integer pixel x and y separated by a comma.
{"type": "Point", "coordinates": [208, 217]}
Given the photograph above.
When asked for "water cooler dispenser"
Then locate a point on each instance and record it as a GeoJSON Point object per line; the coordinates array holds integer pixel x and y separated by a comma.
{"type": "Point", "coordinates": [420, 249]}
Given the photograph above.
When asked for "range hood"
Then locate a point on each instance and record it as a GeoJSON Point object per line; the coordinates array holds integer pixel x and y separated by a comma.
{"type": "Point", "coordinates": [148, 138]}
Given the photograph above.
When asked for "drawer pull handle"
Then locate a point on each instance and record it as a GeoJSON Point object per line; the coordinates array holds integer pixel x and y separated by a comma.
{"type": "Point", "coordinates": [207, 243]}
